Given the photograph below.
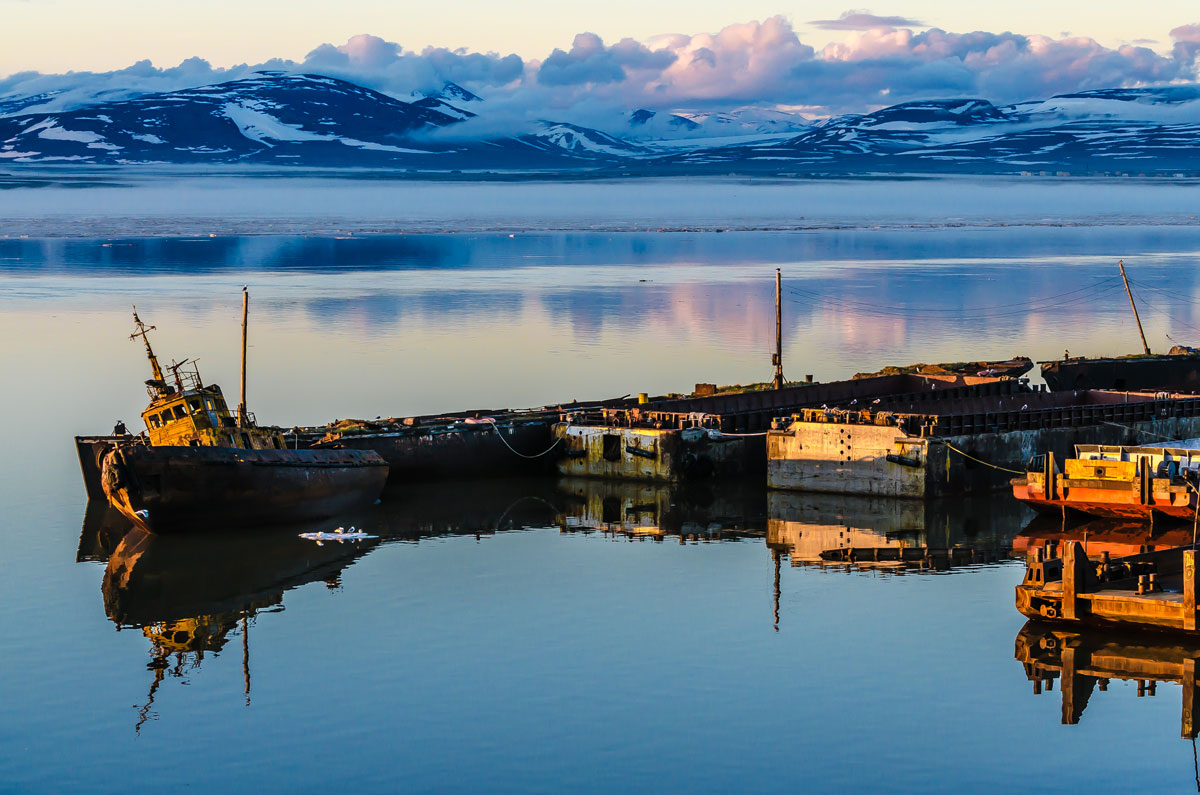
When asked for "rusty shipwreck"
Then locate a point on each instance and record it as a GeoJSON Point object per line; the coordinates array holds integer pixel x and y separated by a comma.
{"type": "Point", "coordinates": [200, 467]}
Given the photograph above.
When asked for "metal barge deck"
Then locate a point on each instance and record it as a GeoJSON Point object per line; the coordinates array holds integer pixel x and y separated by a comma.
{"type": "Point", "coordinates": [950, 444]}
{"type": "Point", "coordinates": [723, 436]}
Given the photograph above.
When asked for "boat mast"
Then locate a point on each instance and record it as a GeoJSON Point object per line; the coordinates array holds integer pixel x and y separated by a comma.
{"type": "Point", "coordinates": [142, 328]}
{"type": "Point", "coordinates": [1128, 292]}
{"type": "Point", "coordinates": [777, 358]}
{"type": "Point", "coordinates": [241, 412]}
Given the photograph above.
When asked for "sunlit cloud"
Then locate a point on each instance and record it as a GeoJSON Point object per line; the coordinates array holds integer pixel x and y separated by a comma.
{"type": "Point", "coordinates": [878, 60]}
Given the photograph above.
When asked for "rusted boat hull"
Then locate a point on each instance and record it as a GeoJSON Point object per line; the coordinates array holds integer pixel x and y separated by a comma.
{"type": "Point", "coordinates": [91, 451]}
{"type": "Point", "coordinates": [190, 489]}
{"type": "Point", "coordinates": [1142, 373]}
{"type": "Point", "coordinates": [1160, 501]}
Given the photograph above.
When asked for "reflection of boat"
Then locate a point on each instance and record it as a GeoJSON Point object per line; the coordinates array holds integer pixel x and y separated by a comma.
{"type": "Point", "coordinates": [201, 467]}
{"type": "Point", "coordinates": [103, 528]}
{"type": "Point", "coordinates": [1145, 482]}
{"type": "Point", "coordinates": [690, 511]}
{"type": "Point", "coordinates": [152, 578]}
{"type": "Point", "coordinates": [1113, 537]}
{"type": "Point", "coordinates": [1085, 660]}
{"type": "Point", "coordinates": [817, 528]}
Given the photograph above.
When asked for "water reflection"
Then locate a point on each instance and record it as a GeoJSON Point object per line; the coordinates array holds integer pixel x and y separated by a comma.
{"type": "Point", "coordinates": [891, 534]}
{"type": "Point", "coordinates": [193, 597]}
{"type": "Point", "coordinates": [1098, 536]}
{"type": "Point", "coordinates": [691, 512]}
{"type": "Point", "coordinates": [1085, 662]}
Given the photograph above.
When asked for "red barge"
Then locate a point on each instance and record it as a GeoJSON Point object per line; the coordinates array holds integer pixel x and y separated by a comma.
{"type": "Point", "coordinates": [1120, 482]}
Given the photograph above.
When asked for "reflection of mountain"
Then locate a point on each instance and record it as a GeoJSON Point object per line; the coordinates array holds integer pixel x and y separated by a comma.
{"type": "Point", "coordinates": [1084, 662]}
{"type": "Point", "coordinates": [815, 528]}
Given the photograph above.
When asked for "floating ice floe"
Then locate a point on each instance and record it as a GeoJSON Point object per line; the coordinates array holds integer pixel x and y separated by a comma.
{"type": "Point", "coordinates": [339, 534]}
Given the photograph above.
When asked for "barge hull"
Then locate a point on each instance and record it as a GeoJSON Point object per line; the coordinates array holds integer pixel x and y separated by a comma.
{"type": "Point", "coordinates": [1140, 373]}
{"type": "Point", "coordinates": [187, 489]}
{"type": "Point", "coordinates": [464, 451]}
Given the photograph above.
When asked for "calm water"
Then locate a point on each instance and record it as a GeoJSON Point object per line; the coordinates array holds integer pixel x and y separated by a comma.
{"type": "Point", "coordinates": [539, 635]}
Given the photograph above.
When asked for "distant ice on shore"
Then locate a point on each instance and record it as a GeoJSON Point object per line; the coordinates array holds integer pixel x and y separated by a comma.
{"type": "Point", "coordinates": [118, 203]}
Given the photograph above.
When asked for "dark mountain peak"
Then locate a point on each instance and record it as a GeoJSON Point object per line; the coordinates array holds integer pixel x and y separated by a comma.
{"type": "Point", "coordinates": [453, 92]}
{"type": "Point", "coordinates": [942, 111]}
{"type": "Point", "coordinates": [640, 117]}
{"type": "Point", "coordinates": [1167, 95]}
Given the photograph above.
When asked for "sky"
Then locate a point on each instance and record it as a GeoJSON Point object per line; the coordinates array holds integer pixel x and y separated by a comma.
{"type": "Point", "coordinates": [539, 58]}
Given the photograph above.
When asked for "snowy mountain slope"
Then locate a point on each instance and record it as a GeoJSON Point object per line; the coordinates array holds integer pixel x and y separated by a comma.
{"type": "Point", "coordinates": [1098, 131]}
{"type": "Point", "coordinates": [578, 140]}
{"type": "Point", "coordinates": [275, 118]}
{"type": "Point", "coordinates": [285, 119]}
{"type": "Point", "coordinates": [449, 101]}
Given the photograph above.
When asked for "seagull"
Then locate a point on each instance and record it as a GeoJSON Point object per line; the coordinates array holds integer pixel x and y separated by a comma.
{"type": "Point", "coordinates": [854, 402]}
{"type": "Point", "coordinates": [873, 402]}
{"type": "Point", "coordinates": [1024, 407]}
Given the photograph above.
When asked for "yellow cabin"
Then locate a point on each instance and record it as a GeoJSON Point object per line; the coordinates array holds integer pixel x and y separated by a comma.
{"type": "Point", "coordinates": [184, 412]}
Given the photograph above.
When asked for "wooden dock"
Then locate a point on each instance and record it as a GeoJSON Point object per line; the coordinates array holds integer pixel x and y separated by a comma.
{"type": "Point", "coordinates": [1153, 590]}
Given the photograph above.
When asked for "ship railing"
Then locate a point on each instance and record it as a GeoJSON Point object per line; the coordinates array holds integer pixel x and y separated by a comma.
{"type": "Point", "coordinates": [641, 418]}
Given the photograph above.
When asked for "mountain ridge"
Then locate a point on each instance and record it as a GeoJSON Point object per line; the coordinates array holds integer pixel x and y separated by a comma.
{"type": "Point", "coordinates": [288, 119]}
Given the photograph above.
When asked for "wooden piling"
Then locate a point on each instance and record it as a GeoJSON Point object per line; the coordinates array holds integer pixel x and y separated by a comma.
{"type": "Point", "coordinates": [1074, 578]}
{"type": "Point", "coordinates": [1189, 589]}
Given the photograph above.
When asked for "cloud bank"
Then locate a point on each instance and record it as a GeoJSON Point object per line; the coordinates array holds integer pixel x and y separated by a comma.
{"type": "Point", "coordinates": [880, 60]}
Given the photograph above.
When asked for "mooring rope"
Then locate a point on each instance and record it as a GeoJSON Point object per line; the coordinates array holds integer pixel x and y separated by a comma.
{"type": "Point", "coordinates": [985, 463]}
{"type": "Point", "coordinates": [515, 450]}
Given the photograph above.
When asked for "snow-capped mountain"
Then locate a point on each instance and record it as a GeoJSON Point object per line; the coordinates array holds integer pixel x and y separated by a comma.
{"type": "Point", "coordinates": [288, 119]}
{"type": "Point", "coordinates": [285, 119]}
{"type": "Point", "coordinates": [449, 101]}
{"type": "Point", "coordinates": [1096, 131]}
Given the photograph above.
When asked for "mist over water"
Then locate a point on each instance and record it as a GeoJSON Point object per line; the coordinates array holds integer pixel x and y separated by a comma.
{"type": "Point", "coordinates": [493, 637]}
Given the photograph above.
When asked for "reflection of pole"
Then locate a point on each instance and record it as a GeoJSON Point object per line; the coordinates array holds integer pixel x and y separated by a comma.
{"type": "Point", "coordinates": [245, 316]}
{"type": "Point", "coordinates": [1138, 320]}
{"type": "Point", "coordinates": [775, 554]}
{"type": "Point", "coordinates": [246, 657]}
{"type": "Point", "coordinates": [777, 359]}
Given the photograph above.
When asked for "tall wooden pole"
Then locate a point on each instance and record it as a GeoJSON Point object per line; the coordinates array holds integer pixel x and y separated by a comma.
{"type": "Point", "coordinates": [245, 317]}
{"type": "Point", "coordinates": [777, 359]}
{"type": "Point", "coordinates": [1138, 320]}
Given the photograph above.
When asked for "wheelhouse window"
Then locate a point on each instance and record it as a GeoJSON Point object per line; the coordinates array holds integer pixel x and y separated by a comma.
{"type": "Point", "coordinates": [180, 412]}
{"type": "Point", "coordinates": [166, 416]}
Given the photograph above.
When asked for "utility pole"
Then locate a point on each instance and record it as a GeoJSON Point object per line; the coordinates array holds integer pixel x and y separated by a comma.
{"type": "Point", "coordinates": [777, 359]}
{"type": "Point", "coordinates": [1138, 320]}
{"type": "Point", "coordinates": [245, 316]}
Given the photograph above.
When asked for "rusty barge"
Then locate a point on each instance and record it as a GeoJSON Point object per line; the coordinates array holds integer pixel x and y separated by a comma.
{"type": "Point", "coordinates": [1114, 481]}
{"type": "Point", "coordinates": [944, 443]}
{"type": "Point", "coordinates": [1147, 591]}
